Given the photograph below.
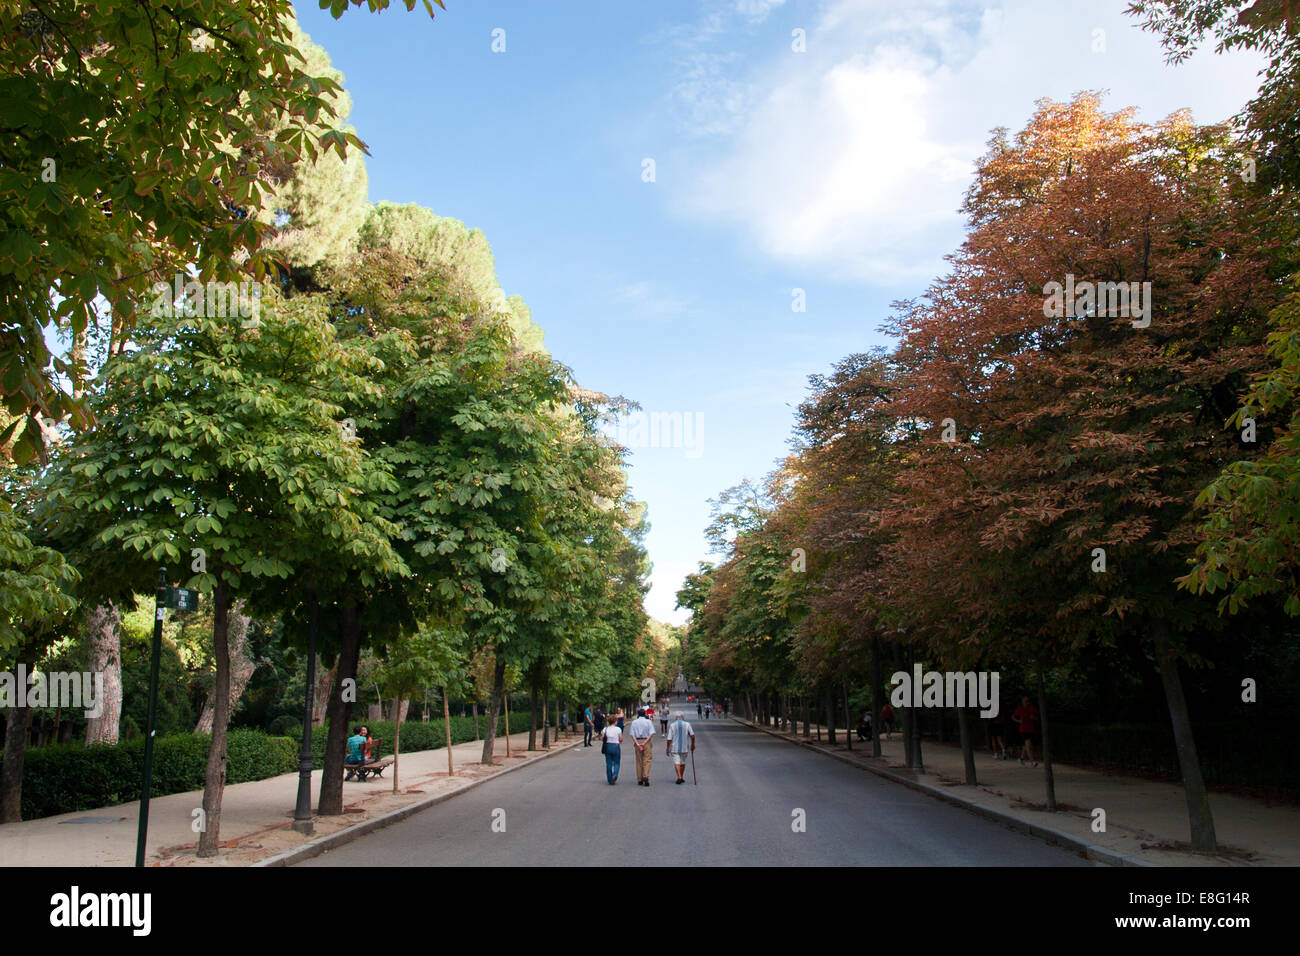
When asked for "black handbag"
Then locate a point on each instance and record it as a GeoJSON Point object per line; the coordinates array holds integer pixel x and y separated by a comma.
{"type": "Point", "coordinates": [604, 744]}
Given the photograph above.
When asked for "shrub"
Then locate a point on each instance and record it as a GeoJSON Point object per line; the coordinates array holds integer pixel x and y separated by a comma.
{"type": "Point", "coordinates": [284, 725]}
{"type": "Point", "coordinates": [69, 778]}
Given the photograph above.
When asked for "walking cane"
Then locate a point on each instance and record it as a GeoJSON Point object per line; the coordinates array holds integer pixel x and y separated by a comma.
{"type": "Point", "coordinates": [693, 777]}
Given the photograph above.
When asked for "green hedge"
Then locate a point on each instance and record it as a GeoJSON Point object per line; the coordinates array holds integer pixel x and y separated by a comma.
{"type": "Point", "coordinates": [68, 778]}
{"type": "Point", "coordinates": [416, 735]}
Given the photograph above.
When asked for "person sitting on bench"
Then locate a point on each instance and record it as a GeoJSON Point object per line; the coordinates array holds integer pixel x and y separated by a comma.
{"type": "Point", "coordinates": [864, 727]}
{"type": "Point", "coordinates": [356, 755]}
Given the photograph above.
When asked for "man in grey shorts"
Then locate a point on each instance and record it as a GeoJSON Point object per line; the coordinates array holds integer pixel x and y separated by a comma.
{"type": "Point", "coordinates": [681, 742]}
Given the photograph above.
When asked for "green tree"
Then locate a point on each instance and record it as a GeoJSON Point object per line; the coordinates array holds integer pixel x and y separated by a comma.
{"type": "Point", "coordinates": [139, 142]}
{"type": "Point", "coordinates": [225, 439]}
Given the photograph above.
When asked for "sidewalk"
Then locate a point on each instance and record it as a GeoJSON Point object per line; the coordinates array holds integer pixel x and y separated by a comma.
{"type": "Point", "coordinates": [1146, 820]}
{"type": "Point", "coordinates": [256, 817]}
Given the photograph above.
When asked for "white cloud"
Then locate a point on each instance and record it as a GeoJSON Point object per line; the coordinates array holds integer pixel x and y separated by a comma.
{"type": "Point", "coordinates": [641, 300]}
{"type": "Point", "coordinates": [757, 9]}
{"type": "Point", "coordinates": [851, 160]}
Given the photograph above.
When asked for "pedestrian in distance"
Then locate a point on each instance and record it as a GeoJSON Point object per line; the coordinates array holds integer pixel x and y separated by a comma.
{"type": "Point", "coordinates": [680, 744]}
{"type": "Point", "coordinates": [611, 744]}
{"type": "Point", "coordinates": [663, 719]}
{"type": "Point", "coordinates": [708, 709]}
{"type": "Point", "coordinates": [1027, 716]}
{"type": "Point", "coordinates": [887, 721]}
{"type": "Point", "coordinates": [587, 727]}
{"type": "Point", "coordinates": [642, 730]}
{"type": "Point", "coordinates": [618, 715]}
{"type": "Point", "coordinates": [699, 709]}
{"type": "Point", "coordinates": [997, 735]}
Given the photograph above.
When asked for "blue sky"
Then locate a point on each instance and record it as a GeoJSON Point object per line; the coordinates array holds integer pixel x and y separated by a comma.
{"type": "Point", "coordinates": [836, 170]}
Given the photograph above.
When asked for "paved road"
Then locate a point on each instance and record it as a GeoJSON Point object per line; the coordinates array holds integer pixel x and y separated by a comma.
{"type": "Point", "coordinates": [561, 811]}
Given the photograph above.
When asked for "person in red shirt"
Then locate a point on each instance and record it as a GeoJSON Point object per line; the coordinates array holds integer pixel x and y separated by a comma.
{"type": "Point", "coordinates": [1026, 715]}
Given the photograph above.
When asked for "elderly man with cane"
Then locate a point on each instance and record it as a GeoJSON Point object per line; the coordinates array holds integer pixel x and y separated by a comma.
{"type": "Point", "coordinates": [681, 741]}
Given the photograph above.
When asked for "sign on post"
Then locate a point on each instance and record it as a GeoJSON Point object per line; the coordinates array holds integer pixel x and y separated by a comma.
{"type": "Point", "coordinates": [182, 599]}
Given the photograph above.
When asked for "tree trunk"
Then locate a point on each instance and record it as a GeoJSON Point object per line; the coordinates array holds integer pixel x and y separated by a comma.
{"type": "Point", "coordinates": [807, 722]}
{"type": "Point", "coordinates": [339, 711]}
{"type": "Point", "coordinates": [446, 727]}
{"type": "Point", "coordinates": [104, 630]}
{"type": "Point", "coordinates": [906, 714]}
{"type": "Point", "coordinates": [241, 668]}
{"type": "Point", "coordinates": [1048, 777]}
{"type": "Point", "coordinates": [532, 716]}
{"type": "Point", "coordinates": [848, 717]}
{"type": "Point", "coordinates": [829, 707]}
{"type": "Point", "coordinates": [494, 709]}
{"type": "Point", "coordinates": [474, 706]}
{"type": "Point", "coordinates": [397, 737]}
{"type": "Point", "coordinates": [875, 697]}
{"type": "Point", "coordinates": [321, 696]}
{"type": "Point", "coordinates": [967, 747]}
{"type": "Point", "coordinates": [546, 718]}
{"type": "Point", "coordinates": [11, 772]}
{"type": "Point", "coordinates": [214, 777]}
{"type": "Point", "coordinates": [1200, 819]}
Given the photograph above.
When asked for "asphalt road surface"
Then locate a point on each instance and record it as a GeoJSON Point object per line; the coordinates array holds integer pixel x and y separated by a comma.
{"type": "Point", "coordinates": [561, 811]}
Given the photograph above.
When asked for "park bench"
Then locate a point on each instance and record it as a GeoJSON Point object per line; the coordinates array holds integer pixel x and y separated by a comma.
{"type": "Point", "coordinates": [373, 767]}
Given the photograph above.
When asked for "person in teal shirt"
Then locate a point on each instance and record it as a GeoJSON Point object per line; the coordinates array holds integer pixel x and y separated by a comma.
{"type": "Point", "coordinates": [355, 756]}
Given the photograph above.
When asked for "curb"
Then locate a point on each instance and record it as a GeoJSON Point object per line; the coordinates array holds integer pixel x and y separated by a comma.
{"type": "Point", "coordinates": [1088, 850]}
{"type": "Point", "coordinates": [314, 848]}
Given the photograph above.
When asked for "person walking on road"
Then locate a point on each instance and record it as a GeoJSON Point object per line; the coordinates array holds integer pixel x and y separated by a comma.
{"type": "Point", "coordinates": [699, 710]}
{"type": "Point", "coordinates": [663, 719]}
{"type": "Point", "coordinates": [680, 743]}
{"type": "Point", "coordinates": [612, 739]}
{"type": "Point", "coordinates": [642, 729]}
{"type": "Point", "coordinates": [587, 727]}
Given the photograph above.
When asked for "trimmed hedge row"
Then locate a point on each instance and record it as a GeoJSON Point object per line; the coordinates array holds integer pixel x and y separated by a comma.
{"type": "Point", "coordinates": [416, 734]}
{"type": "Point", "coordinates": [67, 778]}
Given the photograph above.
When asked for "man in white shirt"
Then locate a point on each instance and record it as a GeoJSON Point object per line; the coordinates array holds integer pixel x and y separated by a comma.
{"type": "Point", "coordinates": [642, 730]}
{"type": "Point", "coordinates": [681, 741]}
